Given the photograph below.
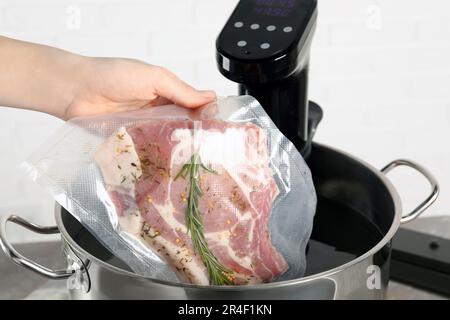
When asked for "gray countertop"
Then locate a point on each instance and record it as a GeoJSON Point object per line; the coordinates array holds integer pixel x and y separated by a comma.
{"type": "Point", "coordinates": [19, 283]}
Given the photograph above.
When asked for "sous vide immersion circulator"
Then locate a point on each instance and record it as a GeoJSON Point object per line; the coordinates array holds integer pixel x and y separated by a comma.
{"type": "Point", "coordinates": [265, 47]}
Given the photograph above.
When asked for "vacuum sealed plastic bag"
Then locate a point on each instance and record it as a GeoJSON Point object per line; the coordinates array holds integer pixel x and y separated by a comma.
{"type": "Point", "coordinates": [215, 195]}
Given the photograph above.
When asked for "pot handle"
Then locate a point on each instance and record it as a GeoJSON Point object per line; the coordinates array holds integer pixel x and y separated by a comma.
{"type": "Point", "coordinates": [434, 187]}
{"type": "Point", "coordinates": [16, 257]}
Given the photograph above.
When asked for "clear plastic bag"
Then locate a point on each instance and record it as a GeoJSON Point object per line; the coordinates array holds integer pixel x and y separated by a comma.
{"type": "Point", "coordinates": [224, 160]}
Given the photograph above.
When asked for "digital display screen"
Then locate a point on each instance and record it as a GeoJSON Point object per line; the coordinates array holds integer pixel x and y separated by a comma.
{"type": "Point", "coordinates": [273, 8]}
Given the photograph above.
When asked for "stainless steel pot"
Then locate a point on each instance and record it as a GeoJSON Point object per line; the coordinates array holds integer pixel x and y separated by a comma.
{"type": "Point", "coordinates": [358, 213]}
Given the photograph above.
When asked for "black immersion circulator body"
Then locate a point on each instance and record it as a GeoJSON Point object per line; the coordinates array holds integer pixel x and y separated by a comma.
{"type": "Point", "coordinates": [286, 102]}
{"type": "Point", "coordinates": [265, 47]}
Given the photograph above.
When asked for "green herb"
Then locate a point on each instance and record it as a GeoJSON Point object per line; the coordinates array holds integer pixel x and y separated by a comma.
{"type": "Point", "coordinates": [218, 274]}
{"type": "Point", "coordinates": [135, 177]}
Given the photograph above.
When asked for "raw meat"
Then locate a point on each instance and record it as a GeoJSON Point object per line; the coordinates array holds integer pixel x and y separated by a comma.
{"type": "Point", "coordinates": [139, 165]}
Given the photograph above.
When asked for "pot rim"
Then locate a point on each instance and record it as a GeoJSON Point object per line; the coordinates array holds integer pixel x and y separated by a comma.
{"type": "Point", "coordinates": [389, 235]}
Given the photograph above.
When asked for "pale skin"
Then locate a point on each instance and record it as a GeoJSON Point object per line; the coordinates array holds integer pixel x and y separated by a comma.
{"type": "Point", "coordinates": [68, 85]}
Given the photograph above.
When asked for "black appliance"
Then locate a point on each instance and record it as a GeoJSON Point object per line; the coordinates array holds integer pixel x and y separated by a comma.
{"type": "Point", "coordinates": [265, 47]}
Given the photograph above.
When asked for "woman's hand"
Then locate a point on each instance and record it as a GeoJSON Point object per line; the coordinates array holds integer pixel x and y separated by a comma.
{"type": "Point", "coordinates": [67, 85]}
{"type": "Point", "coordinates": [114, 84]}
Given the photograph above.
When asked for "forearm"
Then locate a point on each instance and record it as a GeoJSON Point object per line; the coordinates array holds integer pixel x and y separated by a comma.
{"type": "Point", "coordinates": [38, 77]}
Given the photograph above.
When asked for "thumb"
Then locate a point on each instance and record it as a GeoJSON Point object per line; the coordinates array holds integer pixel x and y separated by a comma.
{"type": "Point", "coordinates": [169, 86]}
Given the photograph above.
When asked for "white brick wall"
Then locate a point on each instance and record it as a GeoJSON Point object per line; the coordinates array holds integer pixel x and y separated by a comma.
{"type": "Point", "coordinates": [379, 68]}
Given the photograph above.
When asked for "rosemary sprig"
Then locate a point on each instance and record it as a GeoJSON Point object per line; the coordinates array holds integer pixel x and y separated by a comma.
{"type": "Point", "coordinates": [218, 274]}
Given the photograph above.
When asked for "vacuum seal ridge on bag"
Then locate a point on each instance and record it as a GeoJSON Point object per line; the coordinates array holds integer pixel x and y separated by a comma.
{"type": "Point", "coordinates": [211, 196]}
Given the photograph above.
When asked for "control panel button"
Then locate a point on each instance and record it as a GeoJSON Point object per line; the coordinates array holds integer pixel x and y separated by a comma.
{"type": "Point", "coordinates": [238, 24]}
{"type": "Point", "coordinates": [242, 43]}
{"type": "Point", "coordinates": [254, 26]}
{"type": "Point", "coordinates": [287, 29]}
{"type": "Point", "coordinates": [271, 28]}
{"type": "Point", "coordinates": [265, 46]}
